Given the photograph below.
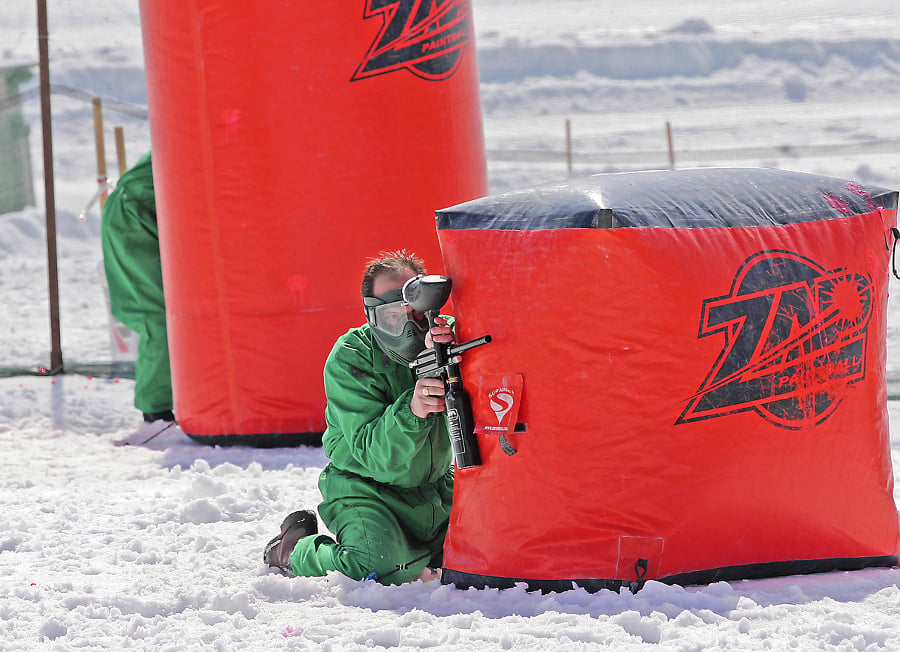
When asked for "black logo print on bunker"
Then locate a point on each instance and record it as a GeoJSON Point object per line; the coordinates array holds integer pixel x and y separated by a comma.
{"type": "Point", "coordinates": [795, 340]}
{"type": "Point", "coordinates": [426, 37]}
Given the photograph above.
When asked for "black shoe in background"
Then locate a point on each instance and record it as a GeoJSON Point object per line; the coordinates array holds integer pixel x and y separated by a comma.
{"type": "Point", "coordinates": [165, 415]}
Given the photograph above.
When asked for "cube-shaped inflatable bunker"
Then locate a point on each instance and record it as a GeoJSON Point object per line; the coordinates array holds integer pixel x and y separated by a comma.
{"type": "Point", "coordinates": [686, 380]}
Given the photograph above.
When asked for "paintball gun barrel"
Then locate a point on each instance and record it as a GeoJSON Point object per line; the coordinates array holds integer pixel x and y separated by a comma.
{"type": "Point", "coordinates": [427, 294]}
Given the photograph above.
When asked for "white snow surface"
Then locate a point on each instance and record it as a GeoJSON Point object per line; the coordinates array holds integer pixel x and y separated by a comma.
{"type": "Point", "coordinates": [159, 546]}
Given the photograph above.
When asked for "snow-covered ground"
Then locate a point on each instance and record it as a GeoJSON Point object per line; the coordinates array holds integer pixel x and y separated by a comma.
{"type": "Point", "coordinates": [159, 546]}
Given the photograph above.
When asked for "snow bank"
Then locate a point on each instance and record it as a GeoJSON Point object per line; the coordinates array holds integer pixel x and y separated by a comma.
{"type": "Point", "coordinates": [678, 57]}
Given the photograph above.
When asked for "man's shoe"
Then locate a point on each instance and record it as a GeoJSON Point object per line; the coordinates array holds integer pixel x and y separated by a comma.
{"type": "Point", "coordinates": [295, 526]}
{"type": "Point", "coordinates": [165, 415]}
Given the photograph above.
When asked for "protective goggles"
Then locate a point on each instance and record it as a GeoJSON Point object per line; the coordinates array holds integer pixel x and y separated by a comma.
{"type": "Point", "coordinates": [390, 314]}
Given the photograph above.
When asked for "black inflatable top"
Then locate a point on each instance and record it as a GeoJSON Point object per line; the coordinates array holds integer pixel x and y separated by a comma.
{"type": "Point", "coordinates": [694, 198]}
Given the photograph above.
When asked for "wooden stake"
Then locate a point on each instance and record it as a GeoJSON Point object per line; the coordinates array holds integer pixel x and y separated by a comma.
{"type": "Point", "coordinates": [56, 356]}
{"type": "Point", "coordinates": [120, 150]}
{"type": "Point", "coordinates": [671, 146]}
{"type": "Point", "coordinates": [100, 146]}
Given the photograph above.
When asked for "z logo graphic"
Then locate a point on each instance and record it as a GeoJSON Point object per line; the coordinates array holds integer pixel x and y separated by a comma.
{"type": "Point", "coordinates": [795, 340]}
{"type": "Point", "coordinates": [426, 37]}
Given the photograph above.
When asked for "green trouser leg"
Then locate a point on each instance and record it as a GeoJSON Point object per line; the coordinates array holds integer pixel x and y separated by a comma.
{"type": "Point", "coordinates": [153, 376]}
{"type": "Point", "coordinates": [391, 532]}
{"type": "Point", "coordinates": [131, 259]}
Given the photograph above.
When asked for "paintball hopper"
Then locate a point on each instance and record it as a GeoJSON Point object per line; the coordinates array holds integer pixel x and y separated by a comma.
{"type": "Point", "coordinates": [427, 294]}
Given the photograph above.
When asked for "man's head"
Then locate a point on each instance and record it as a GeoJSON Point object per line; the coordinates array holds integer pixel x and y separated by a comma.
{"type": "Point", "coordinates": [396, 265]}
{"type": "Point", "coordinates": [398, 330]}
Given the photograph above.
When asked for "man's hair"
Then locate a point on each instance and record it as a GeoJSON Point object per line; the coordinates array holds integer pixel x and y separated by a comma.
{"type": "Point", "coordinates": [394, 263]}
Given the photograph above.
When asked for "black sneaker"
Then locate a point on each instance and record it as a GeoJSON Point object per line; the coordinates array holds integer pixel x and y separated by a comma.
{"type": "Point", "coordinates": [165, 415]}
{"type": "Point", "coordinates": [295, 526]}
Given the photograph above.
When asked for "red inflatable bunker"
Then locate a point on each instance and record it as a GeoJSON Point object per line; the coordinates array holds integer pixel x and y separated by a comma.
{"type": "Point", "coordinates": [291, 142]}
{"type": "Point", "coordinates": [686, 380]}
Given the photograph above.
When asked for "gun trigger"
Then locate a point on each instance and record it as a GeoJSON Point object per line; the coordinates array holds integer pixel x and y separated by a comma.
{"type": "Point", "coordinates": [427, 371]}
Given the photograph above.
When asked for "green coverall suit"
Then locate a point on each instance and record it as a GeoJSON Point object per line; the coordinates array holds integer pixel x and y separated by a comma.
{"type": "Point", "coordinates": [131, 260]}
{"type": "Point", "coordinates": [389, 485]}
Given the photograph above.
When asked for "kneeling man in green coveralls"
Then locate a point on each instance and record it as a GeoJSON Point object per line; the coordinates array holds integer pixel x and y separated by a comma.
{"type": "Point", "coordinates": [388, 487]}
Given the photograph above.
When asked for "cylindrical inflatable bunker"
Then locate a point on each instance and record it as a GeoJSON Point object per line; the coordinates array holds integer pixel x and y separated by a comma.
{"type": "Point", "coordinates": [291, 142]}
{"type": "Point", "coordinates": [686, 380]}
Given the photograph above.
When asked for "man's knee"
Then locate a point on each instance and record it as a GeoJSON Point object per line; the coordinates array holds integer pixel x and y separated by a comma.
{"type": "Point", "coordinates": [315, 556]}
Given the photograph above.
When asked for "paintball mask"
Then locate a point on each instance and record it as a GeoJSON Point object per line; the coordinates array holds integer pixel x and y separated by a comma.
{"type": "Point", "coordinates": [398, 330]}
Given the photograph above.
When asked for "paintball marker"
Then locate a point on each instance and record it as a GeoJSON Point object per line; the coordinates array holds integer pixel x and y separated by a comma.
{"type": "Point", "coordinates": [427, 294]}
